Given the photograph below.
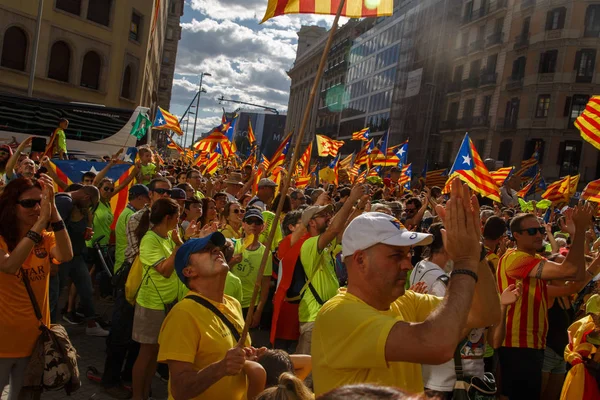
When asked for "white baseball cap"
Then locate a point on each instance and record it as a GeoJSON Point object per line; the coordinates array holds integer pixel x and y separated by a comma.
{"type": "Point", "coordinates": [372, 228]}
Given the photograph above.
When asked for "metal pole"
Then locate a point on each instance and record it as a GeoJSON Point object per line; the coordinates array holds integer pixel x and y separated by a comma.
{"type": "Point", "coordinates": [36, 41]}
{"type": "Point", "coordinates": [187, 127]}
{"type": "Point", "coordinates": [286, 181]}
{"type": "Point", "coordinates": [196, 116]}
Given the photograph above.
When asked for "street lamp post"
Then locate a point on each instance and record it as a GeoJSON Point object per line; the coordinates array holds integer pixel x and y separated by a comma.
{"type": "Point", "coordinates": [202, 75]}
{"type": "Point", "coordinates": [34, 53]}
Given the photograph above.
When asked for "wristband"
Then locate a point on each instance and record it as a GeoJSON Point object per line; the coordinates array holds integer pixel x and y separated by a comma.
{"type": "Point", "coordinates": [465, 272]}
{"type": "Point", "coordinates": [34, 236]}
{"type": "Point", "coordinates": [58, 225]}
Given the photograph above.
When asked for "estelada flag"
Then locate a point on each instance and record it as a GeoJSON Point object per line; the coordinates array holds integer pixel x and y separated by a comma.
{"type": "Point", "coordinates": [469, 167]}
{"type": "Point", "coordinates": [279, 157]}
{"type": "Point", "coordinates": [302, 167]}
{"type": "Point", "coordinates": [592, 191]}
{"type": "Point", "coordinates": [562, 190]}
{"type": "Point", "coordinates": [588, 122]}
{"type": "Point", "coordinates": [166, 121]}
{"type": "Point", "coordinates": [351, 8]}
{"type": "Point", "coordinates": [363, 134]}
{"type": "Point", "coordinates": [327, 146]}
{"type": "Point", "coordinates": [251, 137]}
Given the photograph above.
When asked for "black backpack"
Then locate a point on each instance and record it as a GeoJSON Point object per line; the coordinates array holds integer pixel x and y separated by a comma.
{"type": "Point", "coordinates": [299, 284]}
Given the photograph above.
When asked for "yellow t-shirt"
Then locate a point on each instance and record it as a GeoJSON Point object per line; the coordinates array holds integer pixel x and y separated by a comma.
{"type": "Point", "coordinates": [148, 170]}
{"type": "Point", "coordinates": [269, 217]}
{"type": "Point", "coordinates": [231, 233]}
{"type": "Point", "coordinates": [247, 270]}
{"type": "Point", "coordinates": [321, 267]}
{"type": "Point", "coordinates": [194, 334]}
{"type": "Point", "coordinates": [348, 342]}
{"type": "Point", "coordinates": [156, 291]}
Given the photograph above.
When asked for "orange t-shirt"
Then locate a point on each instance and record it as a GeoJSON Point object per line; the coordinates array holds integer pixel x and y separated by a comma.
{"type": "Point", "coordinates": [18, 323]}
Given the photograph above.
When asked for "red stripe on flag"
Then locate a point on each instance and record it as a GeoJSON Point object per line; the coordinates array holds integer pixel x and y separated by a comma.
{"type": "Point", "coordinates": [306, 6]}
{"type": "Point", "coordinates": [280, 8]}
{"type": "Point", "coordinates": [524, 311]}
{"type": "Point", "coordinates": [590, 121]}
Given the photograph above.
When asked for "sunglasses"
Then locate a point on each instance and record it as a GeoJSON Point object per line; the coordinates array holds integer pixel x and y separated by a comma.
{"type": "Point", "coordinates": [253, 221]}
{"type": "Point", "coordinates": [29, 203]}
{"type": "Point", "coordinates": [163, 191]}
{"type": "Point", "coordinates": [238, 210]}
{"type": "Point", "coordinates": [534, 231]}
{"type": "Point", "coordinates": [410, 210]}
{"type": "Point", "coordinates": [108, 189]}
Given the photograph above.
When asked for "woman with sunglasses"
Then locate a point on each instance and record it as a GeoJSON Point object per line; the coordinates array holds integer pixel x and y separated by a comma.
{"type": "Point", "coordinates": [233, 214]}
{"type": "Point", "coordinates": [27, 209]}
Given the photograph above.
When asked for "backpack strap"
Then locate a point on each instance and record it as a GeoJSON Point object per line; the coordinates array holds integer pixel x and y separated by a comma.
{"type": "Point", "coordinates": [315, 294]}
{"type": "Point", "coordinates": [445, 279]}
{"type": "Point", "coordinates": [218, 313]}
{"type": "Point", "coordinates": [34, 303]}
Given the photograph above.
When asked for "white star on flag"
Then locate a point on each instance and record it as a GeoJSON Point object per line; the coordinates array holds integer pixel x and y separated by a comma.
{"type": "Point", "coordinates": [94, 170]}
{"type": "Point", "coordinates": [401, 152]}
{"type": "Point", "coordinates": [161, 121]}
{"type": "Point", "coordinates": [126, 157]}
{"type": "Point", "coordinates": [466, 160]}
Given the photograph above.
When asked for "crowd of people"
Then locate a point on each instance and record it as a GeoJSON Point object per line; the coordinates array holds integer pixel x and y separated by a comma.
{"type": "Point", "coordinates": [369, 291]}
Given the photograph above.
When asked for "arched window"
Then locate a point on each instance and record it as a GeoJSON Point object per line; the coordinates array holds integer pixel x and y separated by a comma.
{"type": "Point", "coordinates": [505, 151]}
{"type": "Point", "coordinates": [60, 60]}
{"type": "Point", "coordinates": [14, 49]}
{"type": "Point", "coordinates": [90, 70]}
{"type": "Point", "coordinates": [126, 87]}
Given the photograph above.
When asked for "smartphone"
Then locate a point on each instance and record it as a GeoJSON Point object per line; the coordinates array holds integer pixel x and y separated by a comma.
{"type": "Point", "coordinates": [38, 145]}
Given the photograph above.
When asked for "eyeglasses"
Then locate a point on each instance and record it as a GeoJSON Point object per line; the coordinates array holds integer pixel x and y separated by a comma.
{"type": "Point", "coordinates": [108, 189]}
{"type": "Point", "coordinates": [238, 210]}
{"type": "Point", "coordinates": [253, 221]}
{"type": "Point", "coordinates": [29, 203]}
{"type": "Point", "coordinates": [322, 215]}
{"type": "Point", "coordinates": [163, 191]}
{"type": "Point", "coordinates": [410, 210]}
{"type": "Point", "coordinates": [533, 231]}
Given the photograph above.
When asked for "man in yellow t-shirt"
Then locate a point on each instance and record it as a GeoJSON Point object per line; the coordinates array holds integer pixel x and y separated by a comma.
{"type": "Point", "coordinates": [375, 332]}
{"type": "Point", "coordinates": [60, 140]}
{"type": "Point", "coordinates": [200, 349]}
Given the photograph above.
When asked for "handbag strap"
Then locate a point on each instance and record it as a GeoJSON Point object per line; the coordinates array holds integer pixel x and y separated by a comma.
{"type": "Point", "coordinates": [218, 313]}
{"type": "Point", "coordinates": [458, 367]}
{"type": "Point", "coordinates": [34, 303]}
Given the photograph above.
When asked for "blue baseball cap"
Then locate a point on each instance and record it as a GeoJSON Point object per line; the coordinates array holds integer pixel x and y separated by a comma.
{"type": "Point", "coordinates": [182, 257]}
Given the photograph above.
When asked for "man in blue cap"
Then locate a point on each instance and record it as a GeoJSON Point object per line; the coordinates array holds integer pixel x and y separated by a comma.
{"type": "Point", "coordinates": [199, 335]}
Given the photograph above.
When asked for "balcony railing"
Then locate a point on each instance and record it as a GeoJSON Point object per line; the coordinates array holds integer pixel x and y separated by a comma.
{"type": "Point", "coordinates": [483, 11]}
{"type": "Point", "coordinates": [488, 78]}
{"type": "Point", "coordinates": [476, 46]}
{"type": "Point", "coordinates": [454, 87]}
{"type": "Point", "coordinates": [448, 124]}
{"type": "Point", "coordinates": [546, 77]}
{"type": "Point", "coordinates": [471, 82]}
{"type": "Point", "coordinates": [527, 3]}
{"type": "Point", "coordinates": [522, 41]}
{"type": "Point", "coordinates": [505, 124]}
{"type": "Point", "coordinates": [514, 83]}
{"type": "Point", "coordinates": [594, 33]}
{"type": "Point", "coordinates": [461, 51]}
{"type": "Point", "coordinates": [495, 38]}
{"type": "Point", "coordinates": [473, 122]}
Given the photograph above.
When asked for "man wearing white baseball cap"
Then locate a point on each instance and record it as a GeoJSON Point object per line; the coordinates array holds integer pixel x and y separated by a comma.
{"type": "Point", "coordinates": [375, 332]}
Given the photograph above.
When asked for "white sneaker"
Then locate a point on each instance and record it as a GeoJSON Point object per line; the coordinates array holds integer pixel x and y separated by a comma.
{"type": "Point", "coordinates": [96, 331]}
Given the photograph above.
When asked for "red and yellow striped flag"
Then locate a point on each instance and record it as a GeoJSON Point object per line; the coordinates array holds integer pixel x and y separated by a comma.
{"type": "Point", "coordinates": [302, 181]}
{"type": "Point", "coordinates": [404, 176]}
{"type": "Point", "coordinates": [213, 163]}
{"type": "Point", "coordinates": [251, 137]}
{"type": "Point", "coordinates": [303, 163]}
{"type": "Point", "coordinates": [562, 190]}
{"type": "Point", "coordinates": [346, 162]}
{"type": "Point", "coordinates": [351, 8]}
{"type": "Point", "coordinates": [362, 177]}
{"type": "Point", "coordinates": [363, 135]}
{"type": "Point", "coordinates": [501, 175]}
{"type": "Point", "coordinates": [327, 146]}
{"type": "Point", "coordinates": [588, 122]}
{"type": "Point", "coordinates": [592, 191]}
{"type": "Point", "coordinates": [279, 157]}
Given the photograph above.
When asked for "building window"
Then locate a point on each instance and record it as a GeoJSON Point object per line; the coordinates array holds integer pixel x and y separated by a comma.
{"type": "Point", "coordinates": [453, 111]}
{"type": "Point", "coordinates": [90, 71]}
{"type": "Point", "coordinates": [585, 61]}
{"type": "Point", "coordinates": [169, 33]}
{"type": "Point", "coordinates": [14, 49]}
{"type": "Point", "coordinates": [163, 83]}
{"type": "Point", "coordinates": [518, 69]}
{"type": "Point", "coordinates": [469, 109]}
{"type": "Point", "coordinates": [592, 21]}
{"type": "Point", "coordinates": [569, 154]}
{"type": "Point", "coordinates": [480, 146]}
{"type": "Point", "coordinates": [60, 61]}
{"type": "Point", "coordinates": [487, 105]}
{"type": "Point", "coordinates": [511, 115]}
{"type": "Point", "coordinates": [447, 154]}
{"type": "Point", "coordinates": [173, 7]}
{"type": "Point", "coordinates": [70, 6]}
{"type": "Point", "coordinates": [126, 91]}
{"type": "Point", "coordinates": [530, 147]}
{"type": "Point", "coordinates": [555, 19]}
{"type": "Point", "coordinates": [458, 73]}
{"type": "Point", "coordinates": [548, 62]}
{"type": "Point", "coordinates": [135, 27]}
{"type": "Point", "coordinates": [505, 151]}
{"type": "Point", "coordinates": [99, 11]}
{"type": "Point", "coordinates": [543, 105]}
{"type": "Point", "coordinates": [166, 57]}
{"type": "Point", "coordinates": [577, 105]}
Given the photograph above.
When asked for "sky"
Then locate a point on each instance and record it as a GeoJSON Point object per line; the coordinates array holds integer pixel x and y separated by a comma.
{"type": "Point", "coordinates": [247, 61]}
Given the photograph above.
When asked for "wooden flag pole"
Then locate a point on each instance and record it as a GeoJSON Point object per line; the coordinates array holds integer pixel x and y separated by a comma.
{"type": "Point", "coordinates": [287, 178]}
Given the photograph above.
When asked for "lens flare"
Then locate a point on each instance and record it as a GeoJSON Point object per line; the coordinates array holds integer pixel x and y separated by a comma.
{"type": "Point", "coordinates": [372, 4]}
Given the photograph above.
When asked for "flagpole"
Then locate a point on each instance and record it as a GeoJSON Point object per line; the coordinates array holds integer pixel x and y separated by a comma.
{"type": "Point", "coordinates": [288, 177]}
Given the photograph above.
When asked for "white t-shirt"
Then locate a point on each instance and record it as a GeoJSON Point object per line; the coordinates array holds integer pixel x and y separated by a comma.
{"type": "Point", "coordinates": [442, 377]}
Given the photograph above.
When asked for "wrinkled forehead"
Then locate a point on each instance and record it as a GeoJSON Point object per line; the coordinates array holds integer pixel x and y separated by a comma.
{"type": "Point", "coordinates": [28, 162]}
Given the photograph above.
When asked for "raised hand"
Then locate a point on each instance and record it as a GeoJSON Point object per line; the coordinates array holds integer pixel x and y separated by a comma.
{"type": "Point", "coordinates": [510, 295]}
{"type": "Point", "coordinates": [419, 287]}
{"type": "Point", "coordinates": [233, 362]}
